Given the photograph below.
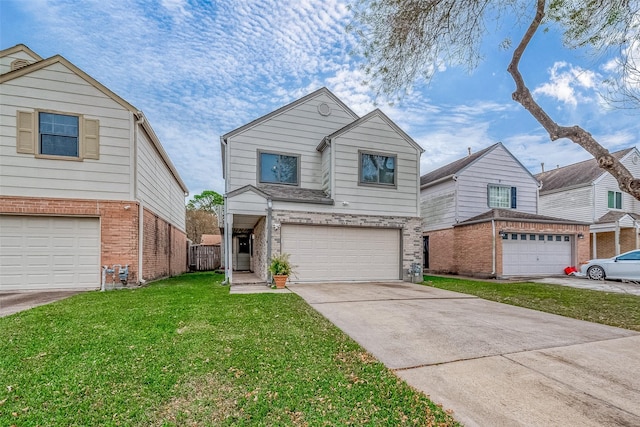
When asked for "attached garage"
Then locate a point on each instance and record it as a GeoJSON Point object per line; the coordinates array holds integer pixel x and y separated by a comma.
{"type": "Point", "coordinates": [536, 254]}
{"type": "Point", "coordinates": [39, 252]}
{"type": "Point", "coordinates": [333, 253]}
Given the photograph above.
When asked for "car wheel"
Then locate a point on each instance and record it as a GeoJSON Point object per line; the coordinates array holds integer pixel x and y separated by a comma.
{"type": "Point", "coordinates": [596, 273]}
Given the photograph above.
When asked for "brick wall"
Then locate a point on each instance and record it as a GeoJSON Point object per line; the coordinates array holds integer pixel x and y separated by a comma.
{"type": "Point", "coordinates": [164, 252]}
{"type": "Point", "coordinates": [411, 229]}
{"type": "Point", "coordinates": [441, 252]}
{"type": "Point", "coordinates": [118, 224]}
{"type": "Point", "coordinates": [473, 250]}
{"type": "Point", "coordinates": [605, 242]}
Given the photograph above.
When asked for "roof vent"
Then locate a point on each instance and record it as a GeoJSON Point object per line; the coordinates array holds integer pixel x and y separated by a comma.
{"type": "Point", "coordinates": [19, 63]}
{"type": "Point", "coordinates": [324, 109]}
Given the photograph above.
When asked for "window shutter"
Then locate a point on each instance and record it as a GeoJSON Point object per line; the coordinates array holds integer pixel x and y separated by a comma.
{"type": "Point", "coordinates": [513, 198]}
{"type": "Point", "coordinates": [91, 140]}
{"type": "Point", "coordinates": [610, 196]}
{"type": "Point", "coordinates": [618, 200]}
{"type": "Point", "coordinates": [25, 137]}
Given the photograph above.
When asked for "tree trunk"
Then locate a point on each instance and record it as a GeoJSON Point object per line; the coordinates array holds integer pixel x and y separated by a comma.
{"type": "Point", "coordinates": [522, 95]}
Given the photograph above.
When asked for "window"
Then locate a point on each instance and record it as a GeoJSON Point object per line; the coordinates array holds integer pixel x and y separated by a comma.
{"type": "Point", "coordinates": [377, 169]}
{"type": "Point", "coordinates": [614, 200]}
{"type": "Point", "coordinates": [58, 135]}
{"type": "Point", "coordinates": [500, 196]}
{"type": "Point", "coordinates": [631, 256]}
{"type": "Point", "coordinates": [278, 168]}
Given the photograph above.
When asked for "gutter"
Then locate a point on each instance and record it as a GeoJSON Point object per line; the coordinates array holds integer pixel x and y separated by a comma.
{"type": "Point", "coordinates": [140, 120]}
{"type": "Point", "coordinates": [493, 247]}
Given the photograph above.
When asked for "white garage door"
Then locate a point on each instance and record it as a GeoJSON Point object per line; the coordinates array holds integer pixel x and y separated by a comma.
{"type": "Point", "coordinates": [49, 252]}
{"type": "Point", "coordinates": [322, 253]}
{"type": "Point", "coordinates": [535, 254]}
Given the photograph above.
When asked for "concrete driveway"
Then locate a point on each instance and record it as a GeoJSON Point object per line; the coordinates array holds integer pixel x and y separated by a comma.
{"type": "Point", "coordinates": [491, 363]}
{"type": "Point", "coordinates": [14, 301]}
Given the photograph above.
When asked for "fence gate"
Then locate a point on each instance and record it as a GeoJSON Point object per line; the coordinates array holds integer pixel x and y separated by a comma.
{"type": "Point", "coordinates": [204, 257]}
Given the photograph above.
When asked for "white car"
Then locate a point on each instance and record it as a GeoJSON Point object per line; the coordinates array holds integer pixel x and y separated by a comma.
{"type": "Point", "coordinates": [625, 266]}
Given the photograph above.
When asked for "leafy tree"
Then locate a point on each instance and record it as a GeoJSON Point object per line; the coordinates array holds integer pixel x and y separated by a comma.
{"type": "Point", "coordinates": [199, 222]}
{"type": "Point", "coordinates": [404, 39]}
{"type": "Point", "coordinates": [205, 201]}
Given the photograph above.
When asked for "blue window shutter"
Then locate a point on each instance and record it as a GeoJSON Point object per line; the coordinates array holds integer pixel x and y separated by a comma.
{"type": "Point", "coordinates": [513, 198]}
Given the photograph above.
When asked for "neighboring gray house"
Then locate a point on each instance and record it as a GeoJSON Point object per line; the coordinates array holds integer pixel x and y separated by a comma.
{"type": "Point", "coordinates": [480, 217]}
{"type": "Point", "coordinates": [584, 192]}
{"type": "Point", "coordinates": [338, 192]}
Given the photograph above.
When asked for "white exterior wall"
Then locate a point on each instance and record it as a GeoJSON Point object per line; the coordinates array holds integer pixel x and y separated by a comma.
{"type": "Point", "coordinates": [376, 136]}
{"type": "Point", "coordinates": [297, 131]}
{"type": "Point", "coordinates": [248, 203]}
{"type": "Point", "coordinates": [58, 89]}
{"type": "Point", "coordinates": [495, 167]}
{"type": "Point", "coordinates": [157, 187]}
{"type": "Point", "coordinates": [607, 183]}
{"type": "Point", "coordinates": [576, 204]}
{"type": "Point", "coordinates": [438, 206]}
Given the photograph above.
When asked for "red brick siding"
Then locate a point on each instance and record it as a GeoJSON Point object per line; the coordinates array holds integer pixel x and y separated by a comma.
{"type": "Point", "coordinates": [473, 250]}
{"type": "Point", "coordinates": [165, 248]}
{"type": "Point", "coordinates": [441, 251]}
{"type": "Point", "coordinates": [605, 242]}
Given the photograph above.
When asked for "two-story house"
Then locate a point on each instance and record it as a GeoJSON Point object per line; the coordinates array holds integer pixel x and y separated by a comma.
{"type": "Point", "coordinates": [338, 192]}
{"type": "Point", "coordinates": [84, 182]}
{"type": "Point", "coordinates": [480, 217]}
{"type": "Point", "coordinates": [584, 192]}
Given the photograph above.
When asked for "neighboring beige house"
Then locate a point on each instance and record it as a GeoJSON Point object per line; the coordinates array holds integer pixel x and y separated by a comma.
{"type": "Point", "coordinates": [338, 192]}
{"type": "Point", "coordinates": [84, 181]}
{"type": "Point", "coordinates": [211, 239]}
{"type": "Point", "coordinates": [480, 218]}
{"type": "Point", "coordinates": [584, 192]}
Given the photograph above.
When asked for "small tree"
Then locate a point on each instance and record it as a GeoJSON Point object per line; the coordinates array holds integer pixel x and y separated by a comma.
{"type": "Point", "coordinates": [201, 218]}
{"type": "Point", "coordinates": [402, 40]}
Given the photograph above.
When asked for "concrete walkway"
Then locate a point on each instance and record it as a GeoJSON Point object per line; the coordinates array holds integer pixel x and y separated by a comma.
{"type": "Point", "coordinates": [593, 285]}
{"type": "Point", "coordinates": [15, 301]}
{"type": "Point", "coordinates": [492, 364]}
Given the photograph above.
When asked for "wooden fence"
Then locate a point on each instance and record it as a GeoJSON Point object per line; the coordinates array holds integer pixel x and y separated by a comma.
{"type": "Point", "coordinates": [204, 257]}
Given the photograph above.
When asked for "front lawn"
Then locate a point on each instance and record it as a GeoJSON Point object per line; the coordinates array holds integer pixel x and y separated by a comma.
{"type": "Point", "coordinates": [184, 352]}
{"type": "Point", "coordinates": [594, 306]}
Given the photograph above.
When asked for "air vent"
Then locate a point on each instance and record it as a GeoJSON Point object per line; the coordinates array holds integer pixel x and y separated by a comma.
{"type": "Point", "coordinates": [324, 109]}
{"type": "Point", "coordinates": [19, 63]}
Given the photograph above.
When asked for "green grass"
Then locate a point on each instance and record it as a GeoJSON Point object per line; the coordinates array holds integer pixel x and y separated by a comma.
{"type": "Point", "coordinates": [609, 308]}
{"type": "Point", "coordinates": [184, 352]}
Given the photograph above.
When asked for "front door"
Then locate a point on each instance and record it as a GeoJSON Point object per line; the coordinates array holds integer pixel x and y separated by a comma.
{"type": "Point", "coordinates": [242, 253]}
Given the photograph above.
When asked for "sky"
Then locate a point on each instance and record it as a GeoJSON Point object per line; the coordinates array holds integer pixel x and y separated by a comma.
{"type": "Point", "coordinates": [199, 69]}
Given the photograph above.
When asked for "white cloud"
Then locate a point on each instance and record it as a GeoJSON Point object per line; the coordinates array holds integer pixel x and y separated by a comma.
{"type": "Point", "coordinates": [569, 84]}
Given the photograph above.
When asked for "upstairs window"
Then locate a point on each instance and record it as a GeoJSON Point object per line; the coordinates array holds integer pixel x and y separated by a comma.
{"type": "Point", "coordinates": [377, 169]}
{"type": "Point", "coordinates": [501, 197]}
{"type": "Point", "coordinates": [278, 168]}
{"type": "Point", "coordinates": [614, 200]}
{"type": "Point", "coordinates": [58, 135]}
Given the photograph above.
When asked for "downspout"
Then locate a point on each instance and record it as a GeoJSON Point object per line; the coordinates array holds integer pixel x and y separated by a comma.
{"type": "Point", "coordinates": [493, 247]}
{"type": "Point", "coordinates": [455, 189]}
{"type": "Point", "coordinates": [269, 212]}
{"type": "Point", "coordinates": [138, 123]}
{"type": "Point", "coordinates": [227, 239]}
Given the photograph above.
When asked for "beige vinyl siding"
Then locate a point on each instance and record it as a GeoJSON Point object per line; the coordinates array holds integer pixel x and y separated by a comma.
{"type": "Point", "coordinates": [157, 187]}
{"type": "Point", "coordinates": [438, 206]}
{"type": "Point", "coordinates": [376, 136]}
{"type": "Point", "coordinates": [575, 204]}
{"type": "Point", "coordinates": [56, 88]}
{"type": "Point", "coordinates": [495, 167]}
{"type": "Point", "coordinates": [248, 203]}
{"type": "Point", "coordinates": [5, 61]}
{"type": "Point", "coordinates": [297, 131]}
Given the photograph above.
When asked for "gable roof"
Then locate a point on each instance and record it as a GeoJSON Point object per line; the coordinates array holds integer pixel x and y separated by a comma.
{"type": "Point", "coordinates": [375, 113]}
{"type": "Point", "coordinates": [285, 193]}
{"type": "Point", "coordinates": [575, 175]}
{"type": "Point", "coordinates": [455, 167]}
{"type": "Point", "coordinates": [321, 91]}
{"type": "Point", "coordinates": [613, 216]}
{"type": "Point", "coordinates": [20, 48]}
{"type": "Point", "coordinates": [58, 59]}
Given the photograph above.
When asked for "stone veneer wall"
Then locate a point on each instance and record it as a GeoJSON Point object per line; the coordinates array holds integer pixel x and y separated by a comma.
{"type": "Point", "coordinates": [259, 258]}
{"type": "Point", "coordinates": [411, 230]}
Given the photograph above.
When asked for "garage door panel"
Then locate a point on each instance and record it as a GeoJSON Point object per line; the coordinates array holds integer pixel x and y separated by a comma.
{"type": "Point", "coordinates": [324, 253]}
{"type": "Point", "coordinates": [537, 256]}
{"type": "Point", "coordinates": [49, 252]}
